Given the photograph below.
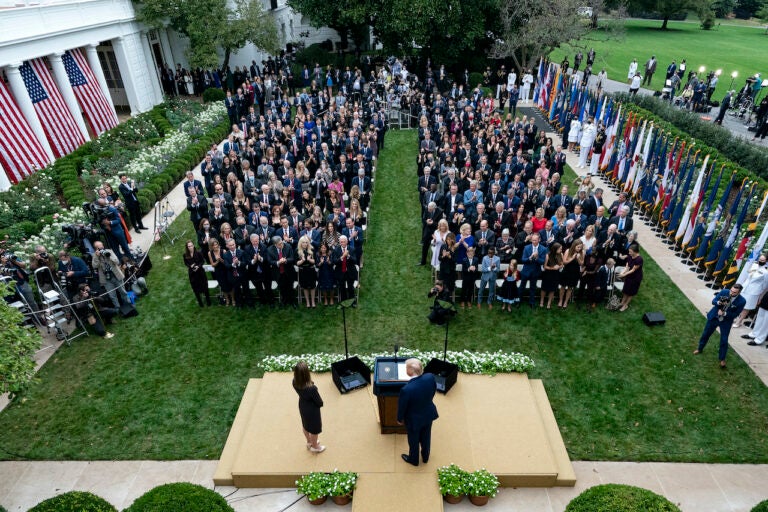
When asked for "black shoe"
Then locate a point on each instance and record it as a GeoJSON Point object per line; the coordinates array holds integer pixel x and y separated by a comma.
{"type": "Point", "coordinates": [406, 459]}
{"type": "Point", "coordinates": [420, 264]}
{"type": "Point", "coordinates": [752, 343]}
{"type": "Point", "coordinates": [747, 337]}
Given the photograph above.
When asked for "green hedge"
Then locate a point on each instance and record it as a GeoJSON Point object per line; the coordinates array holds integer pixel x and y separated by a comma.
{"type": "Point", "coordinates": [74, 501]}
{"type": "Point", "coordinates": [740, 151]}
{"type": "Point", "coordinates": [620, 498]}
{"type": "Point", "coordinates": [213, 94]}
{"type": "Point", "coordinates": [761, 507]}
{"type": "Point", "coordinates": [180, 497]}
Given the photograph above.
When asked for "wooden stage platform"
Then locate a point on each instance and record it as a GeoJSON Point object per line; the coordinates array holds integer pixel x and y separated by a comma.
{"type": "Point", "coordinates": [503, 423]}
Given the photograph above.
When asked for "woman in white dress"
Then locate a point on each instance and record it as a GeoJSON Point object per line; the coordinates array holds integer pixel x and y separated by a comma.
{"type": "Point", "coordinates": [574, 133]}
{"type": "Point", "coordinates": [632, 70]}
{"type": "Point", "coordinates": [754, 286]}
{"type": "Point", "coordinates": [188, 83]}
{"type": "Point", "coordinates": [438, 239]}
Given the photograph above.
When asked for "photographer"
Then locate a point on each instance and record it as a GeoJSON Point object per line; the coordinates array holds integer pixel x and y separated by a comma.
{"type": "Point", "coordinates": [109, 219]}
{"type": "Point", "coordinates": [90, 309]}
{"type": "Point", "coordinates": [73, 271]}
{"type": "Point", "coordinates": [41, 259]}
{"type": "Point", "coordinates": [11, 266]}
{"type": "Point", "coordinates": [438, 315]}
{"type": "Point", "coordinates": [726, 307]}
{"type": "Point", "coordinates": [106, 264]}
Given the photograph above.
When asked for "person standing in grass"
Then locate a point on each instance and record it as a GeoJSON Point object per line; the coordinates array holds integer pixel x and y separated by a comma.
{"type": "Point", "coordinates": [726, 306]}
{"type": "Point", "coordinates": [309, 406]}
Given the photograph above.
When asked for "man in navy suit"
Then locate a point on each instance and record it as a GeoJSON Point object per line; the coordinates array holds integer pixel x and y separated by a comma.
{"type": "Point", "coordinates": [416, 410]}
{"type": "Point", "coordinates": [363, 183]}
{"type": "Point", "coordinates": [727, 306]}
{"type": "Point", "coordinates": [563, 199]}
{"type": "Point", "coordinates": [534, 255]}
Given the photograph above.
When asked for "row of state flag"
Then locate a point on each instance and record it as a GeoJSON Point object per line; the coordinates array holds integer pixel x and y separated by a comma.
{"type": "Point", "coordinates": [21, 150]}
{"type": "Point", "coordinates": [698, 205]}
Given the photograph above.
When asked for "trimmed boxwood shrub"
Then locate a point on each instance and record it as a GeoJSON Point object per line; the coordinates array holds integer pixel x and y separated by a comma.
{"type": "Point", "coordinates": [761, 507]}
{"type": "Point", "coordinates": [74, 501]}
{"type": "Point", "coordinates": [148, 195]}
{"type": "Point", "coordinates": [180, 497]}
{"type": "Point", "coordinates": [212, 94]}
{"type": "Point", "coordinates": [2, 509]}
{"type": "Point", "coordinates": [475, 79]}
{"type": "Point", "coordinates": [620, 498]}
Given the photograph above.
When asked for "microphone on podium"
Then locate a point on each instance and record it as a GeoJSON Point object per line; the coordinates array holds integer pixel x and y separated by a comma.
{"type": "Point", "coordinates": [397, 347]}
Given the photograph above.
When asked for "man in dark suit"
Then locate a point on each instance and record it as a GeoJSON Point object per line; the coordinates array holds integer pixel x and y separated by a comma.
{"type": "Point", "coordinates": [429, 220]}
{"type": "Point", "coordinates": [281, 259]}
{"type": "Point", "coordinates": [622, 201]}
{"type": "Point", "coordinates": [623, 221]}
{"type": "Point", "coordinates": [344, 261]}
{"type": "Point", "coordinates": [484, 239]}
{"type": "Point", "coordinates": [289, 234]}
{"type": "Point", "coordinates": [129, 191]}
{"type": "Point", "coordinates": [234, 261]}
{"type": "Point", "coordinates": [563, 199]}
{"type": "Point", "coordinates": [533, 258]}
{"type": "Point", "coordinates": [257, 267]}
{"type": "Point", "coordinates": [598, 220]}
{"type": "Point", "coordinates": [355, 238]}
{"type": "Point", "coordinates": [243, 233]}
{"type": "Point", "coordinates": [191, 182]}
{"type": "Point", "coordinates": [363, 183]}
{"type": "Point", "coordinates": [417, 411]}
{"type": "Point", "coordinates": [727, 306]}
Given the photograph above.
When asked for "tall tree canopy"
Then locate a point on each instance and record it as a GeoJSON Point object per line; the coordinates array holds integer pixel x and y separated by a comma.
{"type": "Point", "coordinates": [446, 30]}
{"type": "Point", "coordinates": [211, 26]}
{"type": "Point", "coordinates": [531, 28]}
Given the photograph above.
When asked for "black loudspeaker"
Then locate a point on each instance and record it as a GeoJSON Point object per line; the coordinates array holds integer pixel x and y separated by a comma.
{"type": "Point", "coordinates": [349, 374]}
{"type": "Point", "coordinates": [127, 311]}
{"type": "Point", "coordinates": [445, 374]}
{"type": "Point", "coordinates": [654, 318]}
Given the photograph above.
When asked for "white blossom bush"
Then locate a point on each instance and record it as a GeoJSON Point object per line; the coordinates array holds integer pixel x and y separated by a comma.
{"type": "Point", "coordinates": [467, 361]}
{"type": "Point", "coordinates": [51, 237]}
{"type": "Point", "coordinates": [153, 160]}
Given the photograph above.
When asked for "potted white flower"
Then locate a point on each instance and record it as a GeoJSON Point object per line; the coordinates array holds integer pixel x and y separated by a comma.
{"type": "Point", "coordinates": [452, 482]}
{"type": "Point", "coordinates": [481, 486]}
{"type": "Point", "coordinates": [315, 486]}
{"type": "Point", "coordinates": [341, 486]}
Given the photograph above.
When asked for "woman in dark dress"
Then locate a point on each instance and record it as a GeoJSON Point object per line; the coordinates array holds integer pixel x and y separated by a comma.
{"type": "Point", "coordinates": [305, 260]}
{"type": "Point", "coordinates": [509, 293]}
{"type": "Point", "coordinates": [470, 272]}
{"type": "Point", "coordinates": [573, 260]}
{"type": "Point", "coordinates": [194, 261]}
{"type": "Point", "coordinates": [309, 406]}
{"type": "Point", "coordinates": [447, 270]}
{"type": "Point", "coordinates": [220, 272]}
{"type": "Point", "coordinates": [550, 278]}
{"type": "Point", "coordinates": [632, 276]}
{"type": "Point", "coordinates": [326, 276]}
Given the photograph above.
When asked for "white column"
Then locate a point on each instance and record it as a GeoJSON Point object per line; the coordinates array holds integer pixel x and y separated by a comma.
{"type": "Point", "coordinates": [24, 102]}
{"type": "Point", "coordinates": [5, 183]}
{"type": "Point", "coordinates": [135, 72]}
{"type": "Point", "coordinates": [62, 80]}
{"type": "Point", "coordinates": [154, 77]}
{"type": "Point", "coordinates": [98, 72]}
{"type": "Point", "coordinates": [165, 44]}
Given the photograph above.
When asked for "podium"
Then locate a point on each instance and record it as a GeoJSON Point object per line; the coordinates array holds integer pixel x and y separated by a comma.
{"type": "Point", "coordinates": [388, 379]}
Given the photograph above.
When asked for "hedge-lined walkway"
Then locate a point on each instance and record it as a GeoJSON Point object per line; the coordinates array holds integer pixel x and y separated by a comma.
{"type": "Point", "coordinates": [693, 487]}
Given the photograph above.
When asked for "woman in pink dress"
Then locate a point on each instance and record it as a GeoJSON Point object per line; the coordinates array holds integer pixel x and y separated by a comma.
{"type": "Point", "coordinates": [338, 187]}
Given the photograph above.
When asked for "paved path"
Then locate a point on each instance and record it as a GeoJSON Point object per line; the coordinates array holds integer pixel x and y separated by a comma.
{"type": "Point", "coordinates": [693, 487]}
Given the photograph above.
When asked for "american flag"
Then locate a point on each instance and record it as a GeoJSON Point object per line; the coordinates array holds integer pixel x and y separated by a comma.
{"type": "Point", "coordinates": [58, 124]}
{"type": "Point", "coordinates": [97, 109]}
{"type": "Point", "coordinates": [21, 154]}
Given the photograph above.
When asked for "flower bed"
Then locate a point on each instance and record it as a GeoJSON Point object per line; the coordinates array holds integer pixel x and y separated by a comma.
{"type": "Point", "coordinates": [467, 361]}
{"type": "Point", "coordinates": [135, 147]}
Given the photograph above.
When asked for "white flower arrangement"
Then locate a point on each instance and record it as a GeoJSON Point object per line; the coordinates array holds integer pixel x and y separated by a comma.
{"type": "Point", "coordinates": [211, 116]}
{"type": "Point", "coordinates": [153, 160]}
{"type": "Point", "coordinates": [468, 362]}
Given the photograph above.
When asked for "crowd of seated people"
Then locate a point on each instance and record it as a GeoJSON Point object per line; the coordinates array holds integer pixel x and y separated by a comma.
{"type": "Point", "coordinates": [500, 222]}
{"type": "Point", "coordinates": [284, 205]}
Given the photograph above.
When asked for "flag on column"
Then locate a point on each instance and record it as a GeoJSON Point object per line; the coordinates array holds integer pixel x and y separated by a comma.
{"type": "Point", "coordinates": [697, 230]}
{"type": "Point", "coordinates": [677, 214]}
{"type": "Point", "coordinates": [58, 124]}
{"type": "Point", "coordinates": [719, 242]}
{"type": "Point", "coordinates": [97, 109]}
{"type": "Point", "coordinates": [20, 152]}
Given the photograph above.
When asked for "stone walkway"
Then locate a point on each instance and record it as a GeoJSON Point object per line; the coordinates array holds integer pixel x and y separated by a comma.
{"type": "Point", "coordinates": [694, 487]}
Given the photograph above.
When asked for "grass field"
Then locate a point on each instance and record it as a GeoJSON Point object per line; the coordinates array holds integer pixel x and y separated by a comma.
{"type": "Point", "coordinates": [169, 383]}
{"type": "Point", "coordinates": [730, 48]}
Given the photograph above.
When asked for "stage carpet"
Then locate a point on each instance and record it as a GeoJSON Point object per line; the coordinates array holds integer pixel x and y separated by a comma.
{"type": "Point", "coordinates": [503, 423]}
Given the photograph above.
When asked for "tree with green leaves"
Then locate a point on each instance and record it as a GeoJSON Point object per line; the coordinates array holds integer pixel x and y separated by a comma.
{"type": "Point", "coordinates": [17, 348]}
{"type": "Point", "coordinates": [212, 26]}
{"type": "Point", "coordinates": [664, 8]}
{"type": "Point", "coordinates": [349, 18]}
{"type": "Point", "coordinates": [531, 28]}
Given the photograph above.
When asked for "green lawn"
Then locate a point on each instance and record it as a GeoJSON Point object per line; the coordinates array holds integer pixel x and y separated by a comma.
{"type": "Point", "coordinates": [168, 385]}
{"type": "Point", "coordinates": [730, 48]}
